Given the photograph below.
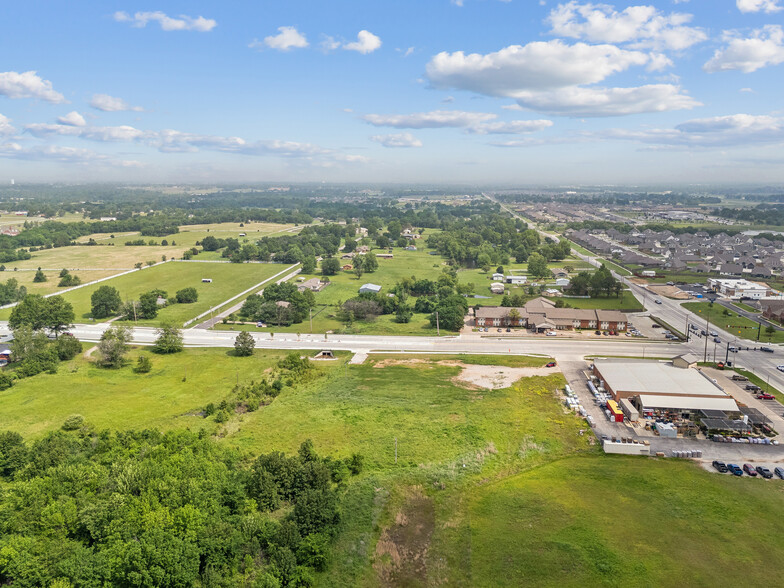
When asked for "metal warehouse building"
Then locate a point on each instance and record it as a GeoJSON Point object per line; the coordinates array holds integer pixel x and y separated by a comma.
{"type": "Point", "coordinates": [657, 386]}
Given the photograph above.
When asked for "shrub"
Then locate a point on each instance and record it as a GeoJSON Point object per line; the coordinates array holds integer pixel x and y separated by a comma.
{"type": "Point", "coordinates": [73, 422]}
{"type": "Point", "coordinates": [68, 347]}
{"type": "Point", "coordinates": [187, 295]}
{"type": "Point", "coordinates": [6, 381]}
{"type": "Point", "coordinates": [143, 365]}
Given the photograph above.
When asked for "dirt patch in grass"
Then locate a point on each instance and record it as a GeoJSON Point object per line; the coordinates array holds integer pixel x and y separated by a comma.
{"type": "Point", "coordinates": [495, 377]}
{"type": "Point", "coordinates": [401, 551]}
{"type": "Point", "coordinates": [669, 292]}
{"type": "Point", "coordinates": [475, 376]}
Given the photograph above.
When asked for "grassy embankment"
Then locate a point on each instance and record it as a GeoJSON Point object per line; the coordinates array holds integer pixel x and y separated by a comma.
{"type": "Point", "coordinates": [733, 323]}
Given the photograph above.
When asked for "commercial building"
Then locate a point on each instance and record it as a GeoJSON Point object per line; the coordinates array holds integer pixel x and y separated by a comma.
{"type": "Point", "coordinates": [739, 288]}
{"type": "Point", "coordinates": [542, 315]}
{"type": "Point", "coordinates": [653, 386]}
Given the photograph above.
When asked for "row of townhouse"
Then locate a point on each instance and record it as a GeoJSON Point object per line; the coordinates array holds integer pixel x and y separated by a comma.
{"type": "Point", "coordinates": [541, 314]}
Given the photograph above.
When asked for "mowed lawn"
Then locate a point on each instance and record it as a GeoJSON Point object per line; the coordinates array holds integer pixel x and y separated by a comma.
{"type": "Point", "coordinates": [25, 278]}
{"type": "Point", "coordinates": [625, 521]}
{"type": "Point", "coordinates": [228, 279]}
{"type": "Point", "coordinates": [190, 234]}
{"type": "Point", "coordinates": [178, 386]}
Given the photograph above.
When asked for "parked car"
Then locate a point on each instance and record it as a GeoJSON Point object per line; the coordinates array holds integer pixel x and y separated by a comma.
{"type": "Point", "coordinates": [597, 333]}
{"type": "Point", "coordinates": [749, 469]}
{"type": "Point", "coordinates": [732, 349]}
{"type": "Point", "coordinates": [739, 378]}
{"type": "Point", "coordinates": [720, 466]}
{"type": "Point", "coordinates": [656, 326]}
{"type": "Point", "coordinates": [735, 469]}
{"type": "Point", "coordinates": [508, 330]}
{"type": "Point", "coordinates": [714, 334]}
{"type": "Point", "coordinates": [260, 324]}
{"type": "Point", "coordinates": [500, 330]}
{"type": "Point", "coordinates": [766, 349]}
{"type": "Point", "coordinates": [752, 387]}
{"type": "Point", "coordinates": [766, 396]}
{"type": "Point", "coordinates": [764, 472]}
{"type": "Point", "coordinates": [551, 333]}
{"type": "Point", "coordinates": [551, 364]}
{"type": "Point", "coordinates": [779, 472]}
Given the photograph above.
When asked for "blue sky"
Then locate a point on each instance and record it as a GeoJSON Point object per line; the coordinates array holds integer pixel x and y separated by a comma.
{"type": "Point", "coordinates": [442, 91]}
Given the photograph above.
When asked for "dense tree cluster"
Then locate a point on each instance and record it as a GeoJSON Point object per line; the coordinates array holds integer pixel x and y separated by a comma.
{"type": "Point", "coordinates": [279, 304]}
{"type": "Point", "coordinates": [143, 508]}
{"type": "Point", "coordinates": [593, 284]}
{"type": "Point", "coordinates": [492, 240]}
{"type": "Point", "coordinates": [53, 313]}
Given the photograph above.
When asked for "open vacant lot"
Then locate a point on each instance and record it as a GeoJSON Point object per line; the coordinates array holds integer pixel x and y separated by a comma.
{"type": "Point", "coordinates": [460, 480]}
{"type": "Point", "coordinates": [169, 396]}
{"type": "Point", "coordinates": [558, 525]}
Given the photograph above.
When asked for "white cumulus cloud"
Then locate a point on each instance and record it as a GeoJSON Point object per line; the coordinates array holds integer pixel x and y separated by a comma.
{"type": "Point", "coordinates": [286, 39]}
{"type": "Point", "coordinates": [173, 141]}
{"type": "Point", "coordinates": [6, 128]}
{"type": "Point", "coordinates": [515, 127]}
{"type": "Point", "coordinates": [764, 47]}
{"type": "Point", "coordinates": [715, 132]}
{"type": "Point", "coordinates": [552, 77]}
{"type": "Point", "coordinates": [767, 6]}
{"type": "Point", "coordinates": [366, 43]}
{"type": "Point", "coordinates": [397, 140]}
{"type": "Point", "coordinates": [28, 85]}
{"type": "Point", "coordinates": [642, 26]}
{"type": "Point", "coordinates": [73, 119]}
{"type": "Point", "coordinates": [481, 123]}
{"type": "Point", "coordinates": [167, 23]}
{"type": "Point", "coordinates": [429, 120]}
{"type": "Point", "coordinates": [108, 103]}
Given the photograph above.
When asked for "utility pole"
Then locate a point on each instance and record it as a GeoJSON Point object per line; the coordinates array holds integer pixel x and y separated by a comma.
{"type": "Point", "coordinates": [311, 320]}
{"type": "Point", "coordinates": [759, 330]}
{"type": "Point", "coordinates": [438, 328]}
{"type": "Point", "coordinates": [707, 333]}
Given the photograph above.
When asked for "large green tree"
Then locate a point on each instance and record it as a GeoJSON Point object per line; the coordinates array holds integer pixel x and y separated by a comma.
{"type": "Point", "coordinates": [537, 265]}
{"type": "Point", "coordinates": [53, 313]}
{"type": "Point", "coordinates": [106, 302]}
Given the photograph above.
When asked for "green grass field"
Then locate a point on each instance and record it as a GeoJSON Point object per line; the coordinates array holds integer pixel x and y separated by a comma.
{"type": "Point", "coordinates": [733, 323]}
{"type": "Point", "coordinates": [616, 521]}
{"type": "Point", "coordinates": [229, 279]}
{"type": "Point", "coordinates": [490, 487]}
{"type": "Point", "coordinates": [120, 399]}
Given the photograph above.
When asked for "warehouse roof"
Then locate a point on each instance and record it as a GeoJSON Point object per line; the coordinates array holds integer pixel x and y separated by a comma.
{"type": "Point", "coordinates": [651, 377]}
{"type": "Point", "coordinates": [725, 403]}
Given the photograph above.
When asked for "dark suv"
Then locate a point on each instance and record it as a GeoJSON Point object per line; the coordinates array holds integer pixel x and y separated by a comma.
{"type": "Point", "coordinates": [720, 466]}
{"type": "Point", "coordinates": [764, 472]}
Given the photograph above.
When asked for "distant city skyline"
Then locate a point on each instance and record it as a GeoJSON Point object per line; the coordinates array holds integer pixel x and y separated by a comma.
{"type": "Point", "coordinates": [486, 92]}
